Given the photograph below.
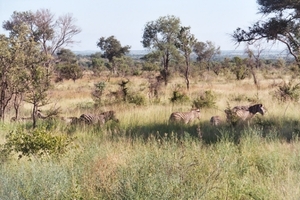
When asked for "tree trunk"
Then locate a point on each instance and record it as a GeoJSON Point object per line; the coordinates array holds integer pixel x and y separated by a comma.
{"type": "Point", "coordinates": [187, 74]}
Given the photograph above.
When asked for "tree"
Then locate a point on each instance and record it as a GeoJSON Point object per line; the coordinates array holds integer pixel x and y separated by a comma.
{"type": "Point", "coordinates": [68, 68]}
{"type": "Point", "coordinates": [18, 53]}
{"type": "Point", "coordinates": [206, 51]}
{"type": "Point", "coordinates": [112, 48]}
{"type": "Point", "coordinates": [282, 24]}
{"type": "Point", "coordinates": [186, 42]}
{"type": "Point", "coordinates": [51, 34]}
{"type": "Point", "coordinates": [253, 61]}
{"type": "Point", "coordinates": [22, 71]}
{"type": "Point", "coordinates": [123, 65]}
{"type": "Point", "coordinates": [98, 63]}
{"type": "Point", "coordinates": [161, 36]}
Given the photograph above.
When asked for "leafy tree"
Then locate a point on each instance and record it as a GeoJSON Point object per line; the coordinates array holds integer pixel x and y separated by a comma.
{"type": "Point", "coordinates": [112, 48]}
{"type": "Point", "coordinates": [123, 64]}
{"type": "Point", "coordinates": [19, 53]}
{"type": "Point", "coordinates": [51, 34]}
{"type": "Point", "coordinates": [161, 36]}
{"type": "Point", "coordinates": [206, 51]}
{"type": "Point", "coordinates": [66, 55]}
{"type": "Point", "coordinates": [68, 71]}
{"type": "Point", "coordinates": [98, 63]}
{"type": "Point", "coordinates": [37, 87]}
{"type": "Point", "coordinates": [186, 42]}
{"type": "Point", "coordinates": [254, 61]}
{"type": "Point", "coordinates": [282, 24]}
{"type": "Point", "coordinates": [68, 67]}
{"type": "Point", "coordinates": [97, 93]}
{"type": "Point", "coordinates": [27, 54]}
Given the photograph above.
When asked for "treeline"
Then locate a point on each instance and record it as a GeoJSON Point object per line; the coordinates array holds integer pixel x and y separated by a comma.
{"type": "Point", "coordinates": [35, 53]}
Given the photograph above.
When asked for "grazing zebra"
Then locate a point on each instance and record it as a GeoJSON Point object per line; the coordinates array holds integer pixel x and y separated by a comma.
{"type": "Point", "coordinates": [39, 115]}
{"type": "Point", "coordinates": [184, 117]}
{"type": "Point", "coordinates": [244, 112]}
{"type": "Point", "coordinates": [215, 120]}
{"type": "Point", "coordinates": [102, 118]}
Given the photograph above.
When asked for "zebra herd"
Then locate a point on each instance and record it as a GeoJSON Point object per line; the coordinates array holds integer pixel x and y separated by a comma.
{"type": "Point", "coordinates": [234, 115]}
{"type": "Point", "coordinates": [86, 118]}
{"type": "Point", "coordinates": [91, 119]}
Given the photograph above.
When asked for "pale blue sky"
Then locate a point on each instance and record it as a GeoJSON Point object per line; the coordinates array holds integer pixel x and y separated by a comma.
{"type": "Point", "coordinates": [212, 20]}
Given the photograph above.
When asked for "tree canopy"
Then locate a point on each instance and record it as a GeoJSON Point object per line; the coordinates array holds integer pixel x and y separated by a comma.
{"type": "Point", "coordinates": [51, 34]}
{"type": "Point", "coordinates": [161, 36]}
{"type": "Point", "coordinates": [112, 48]}
{"type": "Point", "coordinates": [282, 23]}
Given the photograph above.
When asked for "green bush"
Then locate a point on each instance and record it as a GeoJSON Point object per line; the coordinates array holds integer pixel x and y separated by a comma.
{"type": "Point", "coordinates": [206, 100]}
{"type": "Point", "coordinates": [137, 99]}
{"type": "Point", "coordinates": [287, 92]}
{"type": "Point", "coordinates": [179, 97]}
{"type": "Point", "coordinates": [35, 143]}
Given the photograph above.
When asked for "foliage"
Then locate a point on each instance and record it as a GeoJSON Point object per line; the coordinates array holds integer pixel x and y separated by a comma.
{"type": "Point", "coordinates": [97, 63]}
{"type": "Point", "coordinates": [51, 34]}
{"type": "Point", "coordinates": [136, 98]}
{"type": "Point", "coordinates": [112, 48]}
{"type": "Point", "coordinates": [288, 92]}
{"type": "Point", "coordinates": [205, 100]}
{"type": "Point", "coordinates": [35, 143]}
{"type": "Point", "coordinates": [241, 72]}
{"type": "Point", "coordinates": [67, 68]}
{"type": "Point", "coordinates": [123, 65]}
{"type": "Point", "coordinates": [205, 51]}
{"type": "Point", "coordinates": [97, 94]}
{"type": "Point", "coordinates": [68, 71]}
{"type": "Point", "coordinates": [66, 56]}
{"type": "Point", "coordinates": [282, 25]}
{"type": "Point", "coordinates": [23, 70]}
{"type": "Point", "coordinates": [161, 36]}
{"type": "Point", "coordinates": [186, 42]}
{"type": "Point", "coordinates": [148, 66]}
{"type": "Point", "coordinates": [179, 97]}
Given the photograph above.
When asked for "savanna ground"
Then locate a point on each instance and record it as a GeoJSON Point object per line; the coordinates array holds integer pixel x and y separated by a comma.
{"type": "Point", "coordinates": [144, 157]}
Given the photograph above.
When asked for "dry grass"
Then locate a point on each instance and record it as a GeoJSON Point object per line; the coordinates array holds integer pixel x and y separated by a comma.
{"type": "Point", "coordinates": [120, 162]}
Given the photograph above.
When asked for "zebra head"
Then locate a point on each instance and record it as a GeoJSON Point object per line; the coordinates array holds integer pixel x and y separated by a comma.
{"type": "Point", "coordinates": [196, 113]}
{"type": "Point", "coordinates": [257, 108]}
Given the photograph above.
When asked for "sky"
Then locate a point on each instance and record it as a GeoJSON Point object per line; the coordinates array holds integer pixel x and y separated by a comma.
{"type": "Point", "coordinates": [210, 20]}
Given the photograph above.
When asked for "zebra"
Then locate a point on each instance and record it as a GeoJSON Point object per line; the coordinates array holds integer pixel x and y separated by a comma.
{"type": "Point", "coordinates": [101, 119]}
{"type": "Point", "coordinates": [244, 112]}
{"type": "Point", "coordinates": [215, 120]}
{"type": "Point", "coordinates": [184, 117]}
{"type": "Point", "coordinates": [39, 115]}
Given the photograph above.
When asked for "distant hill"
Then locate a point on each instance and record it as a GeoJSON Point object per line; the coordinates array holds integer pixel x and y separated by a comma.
{"type": "Point", "coordinates": [224, 53]}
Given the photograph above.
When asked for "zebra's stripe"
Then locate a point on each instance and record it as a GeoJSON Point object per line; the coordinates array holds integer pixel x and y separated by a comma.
{"type": "Point", "coordinates": [185, 117]}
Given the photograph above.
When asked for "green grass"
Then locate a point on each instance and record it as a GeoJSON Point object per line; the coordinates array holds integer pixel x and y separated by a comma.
{"type": "Point", "coordinates": [159, 161]}
{"type": "Point", "coordinates": [145, 157]}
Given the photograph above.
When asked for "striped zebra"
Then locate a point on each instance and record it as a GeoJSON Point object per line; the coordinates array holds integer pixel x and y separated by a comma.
{"type": "Point", "coordinates": [101, 118]}
{"type": "Point", "coordinates": [184, 117]}
{"type": "Point", "coordinates": [244, 112]}
{"type": "Point", "coordinates": [215, 120]}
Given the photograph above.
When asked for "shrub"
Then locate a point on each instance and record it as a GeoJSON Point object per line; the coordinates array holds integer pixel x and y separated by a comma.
{"type": "Point", "coordinates": [137, 99]}
{"type": "Point", "coordinates": [241, 72]}
{"type": "Point", "coordinates": [206, 100]}
{"type": "Point", "coordinates": [35, 142]}
{"type": "Point", "coordinates": [97, 93]}
{"type": "Point", "coordinates": [179, 97]}
{"type": "Point", "coordinates": [287, 92]}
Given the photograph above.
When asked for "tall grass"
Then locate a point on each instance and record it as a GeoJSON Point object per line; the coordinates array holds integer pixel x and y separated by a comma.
{"type": "Point", "coordinates": [145, 157]}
